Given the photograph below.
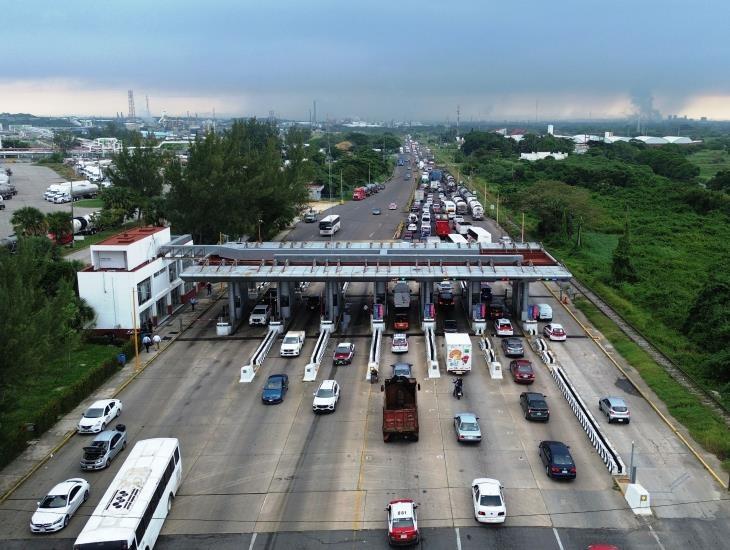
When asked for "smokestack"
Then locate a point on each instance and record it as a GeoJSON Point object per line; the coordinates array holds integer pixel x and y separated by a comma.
{"type": "Point", "coordinates": [550, 129]}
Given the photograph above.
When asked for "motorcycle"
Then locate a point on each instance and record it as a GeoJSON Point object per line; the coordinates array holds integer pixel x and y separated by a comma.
{"type": "Point", "coordinates": [458, 388]}
{"type": "Point", "coordinates": [373, 376]}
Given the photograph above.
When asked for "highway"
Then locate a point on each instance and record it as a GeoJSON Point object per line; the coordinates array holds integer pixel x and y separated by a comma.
{"type": "Point", "coordinates": [278, 476]}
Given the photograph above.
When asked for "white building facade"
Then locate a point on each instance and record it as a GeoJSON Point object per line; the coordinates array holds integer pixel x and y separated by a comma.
{"type": "Point", "coordinates": [128, 277]}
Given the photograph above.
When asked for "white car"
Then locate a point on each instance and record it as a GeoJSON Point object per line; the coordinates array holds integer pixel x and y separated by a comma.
{"type": "Point", "coordinates": [392, 206]}
{"type": "Point", "coordinates": [57, 507]}
{"type": "Point", "coordinates": [555, 332]}
{"type": "Point", "coordinates": [326, 397]}
{"type": "Point", "coordinates": [99, 415]}
{"type": "Point", "coordinates": [260, 315]}
{"type": "Point", "coordinates": [400, 343]}
{"type": "Point", "coordinates": [503, 327]}
{"type": "Point", "coordinates": [488, 500]}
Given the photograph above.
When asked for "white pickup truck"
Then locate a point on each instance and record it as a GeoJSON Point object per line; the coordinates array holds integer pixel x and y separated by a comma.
{"type": "Point", "coordinates": [292, 344]}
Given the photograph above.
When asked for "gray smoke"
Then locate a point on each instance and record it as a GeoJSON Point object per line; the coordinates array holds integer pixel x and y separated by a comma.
{"type": "Point", "coordinates": [643, 102]}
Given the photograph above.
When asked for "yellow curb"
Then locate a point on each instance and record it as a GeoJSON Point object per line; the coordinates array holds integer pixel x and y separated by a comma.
{"type": "Point", "coordinates": [642, 393]}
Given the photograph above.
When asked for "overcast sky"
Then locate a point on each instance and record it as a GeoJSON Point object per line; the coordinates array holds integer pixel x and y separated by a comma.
{"type": "Point", "coordinates": [374, 59]}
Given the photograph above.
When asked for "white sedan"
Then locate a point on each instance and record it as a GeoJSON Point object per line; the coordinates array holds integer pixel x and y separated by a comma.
{"type": "Point", "coordinates": [392, 206]}
{"type": "Point", "coordinates": [399, 344]}
{"type": "Point", "coordinates": [555, 332]}
{"type": "Point", "coordinates": [503, 327]}
{"type": "Point", "coordinates": [57, 507]}
{"type": "Point", "coordinates": [488, 500]}
{"type": "Point", "coordinates": [99, 415]}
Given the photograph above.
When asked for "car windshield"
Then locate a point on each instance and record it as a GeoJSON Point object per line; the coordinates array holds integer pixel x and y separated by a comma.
{"type": "Point", "coordinates": [343, 349]}
{"type": "Point", "coordinates": [619, 408]}
{"type": "Point", "coordinates": [469, 426]}
{"type": "Point", "coordinates": [399, 523]}
{"type": "Point", "coordinates": [490, 500]}
{"type": "Point", "coordinates": [291, 340]}
{"type": "Point", "coordinates": [562, 459]}
{"type": "Point", "coordinates": [53, 501]}
{"type": "Point", "coordinates": [259, 309]}
{"type": "Point", "coordinates": [538, 404]}
{"type": "Point", "coordinates": [524, 368]}
{"type": "Point", "coordinates": [273, 384]}
{"type": "Point", "coordinates": [94, 413]}
{"type": "Point", "coordinates": [322, 392]}
{"type": "Point", "coordinates": [399, 340]}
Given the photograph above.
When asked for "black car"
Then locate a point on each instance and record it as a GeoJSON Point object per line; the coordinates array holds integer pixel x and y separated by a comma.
{"type": "Point", "coordinates": [446, 298]}
{"type": "Point", "coordinates": [313, 303]}
{"type": "Point", "coordinates": [512, 347]}
{"type": "Point", "coordinates": [557, 460]}
{"type": "Point", "coordinates": [450, 325]}
{"type": "Point", "coordinates": [497, 309]}
{"type": "Point", "coordinates": [534, 406]}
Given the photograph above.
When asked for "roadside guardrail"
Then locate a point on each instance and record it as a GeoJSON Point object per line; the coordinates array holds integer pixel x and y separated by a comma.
{"type": "Point", "coordinates": [248, 371]}
{"type": "Point", "coordinates": [312, 368]}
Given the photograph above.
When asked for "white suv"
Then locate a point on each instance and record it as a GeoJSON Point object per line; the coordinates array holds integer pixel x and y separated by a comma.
{"type": "Point", "coordinates": [260, 315]}
{"type": "Point", "coordinates": [400, 343]}
{"type": "Point", "coordinates": [326, 397]}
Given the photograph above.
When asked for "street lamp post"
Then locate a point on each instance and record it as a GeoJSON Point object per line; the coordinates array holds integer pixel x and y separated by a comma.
{"type": "Point", "coordinates": [260, 221]}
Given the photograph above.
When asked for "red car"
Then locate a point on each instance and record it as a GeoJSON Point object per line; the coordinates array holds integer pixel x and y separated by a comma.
{"type": "Point", "coordinates": [402, 522]}
{"type": "Point", "coordinates": [343, 353]}
{"type": "Point", "coordinates": [401, 321]}
{"type": "Point", "coordinates": [522, 372]}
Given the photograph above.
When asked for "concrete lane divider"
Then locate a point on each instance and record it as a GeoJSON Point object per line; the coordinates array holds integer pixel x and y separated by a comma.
{"type": "Point", "coordinates": [375, 342]}
{"type": "Point", "coordinates": [600, 442]}
{"type": "Point", "coordinates": [248, 371]}
{"type": "Point", "coordinates": [312, 368]}
{"type": "Point", "coordinates": [432, 361]}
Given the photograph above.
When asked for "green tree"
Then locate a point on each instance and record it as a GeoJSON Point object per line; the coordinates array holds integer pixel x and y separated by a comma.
{"type": "Point", "coordinates": [721, 181]}
{"type": "Point", "coordinates": [141, 171]}
{"type": "Point", "coordinates": [29, 221]}
{"type": "Point", "coordinates": [64, 141]}
{"type": "Point", "coordinates": [622, 267]}
{"type": "Point", "coordinates": [59, 225]}
{"type": "Point", "coordinates": [707, 323]}
{"type": "Point", "coordinates": [558, 207]}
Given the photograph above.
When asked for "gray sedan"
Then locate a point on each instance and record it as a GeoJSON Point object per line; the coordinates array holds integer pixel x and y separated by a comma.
{"type": "Point", "coordinates": [615, 409]}
{"type": "Point", "coordinates": [512, 347]}
{"type": "Point", "coordinates": [467, 428]}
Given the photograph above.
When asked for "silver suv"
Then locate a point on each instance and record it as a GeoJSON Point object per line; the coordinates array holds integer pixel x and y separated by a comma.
{"type": "Point", "coordinates": [615, 409]}
{"type": "Point", "coordinates": [104, 448]}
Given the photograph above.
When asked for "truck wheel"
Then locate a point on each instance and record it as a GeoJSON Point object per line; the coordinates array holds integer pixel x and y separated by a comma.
{"type": "Point", "coordinates": [386, 437]}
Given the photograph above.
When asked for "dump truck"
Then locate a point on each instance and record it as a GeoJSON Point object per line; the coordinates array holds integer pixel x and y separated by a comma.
{"type": "Point", "coordinates": [400, 409]}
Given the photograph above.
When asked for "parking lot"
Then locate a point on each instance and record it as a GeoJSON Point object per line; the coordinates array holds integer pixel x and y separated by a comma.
{"type": "Point", "coordinates": [250, 467]}
{"type": "Point", "coordinates": [31, 181]}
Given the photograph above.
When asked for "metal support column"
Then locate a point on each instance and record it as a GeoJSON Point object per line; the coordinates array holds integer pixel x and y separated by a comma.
{"type": "Point", "coordinates": [232, 303]}
{"type": "Point", "coordinates": [284, 300]}
{"type": "Point", "coordinates": [424, 288]}
{"type": "Point", "coordinates": [524, 299]}
{"type": "Point", "coordinates": [330, 296]}
{"type": "Point", "coordinates": [381, 294]}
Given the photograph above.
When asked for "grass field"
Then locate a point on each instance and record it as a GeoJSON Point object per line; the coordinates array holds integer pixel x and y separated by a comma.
{"type": "Point", "coordinates": [66, 172]}
{"type": "Point", "coordinates": [710, 162]}
{"type": "Point", "coordinates": [704, 426]}
{"type": "Point", "coordinates": [90, 203]}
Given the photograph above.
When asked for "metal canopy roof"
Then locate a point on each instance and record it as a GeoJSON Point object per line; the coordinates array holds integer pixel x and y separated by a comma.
{"type": "Point", "coordinates": [367, 261]}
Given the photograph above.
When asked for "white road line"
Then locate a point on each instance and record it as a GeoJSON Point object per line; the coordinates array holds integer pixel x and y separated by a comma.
{"type": "Point", "coordinates": [656, 537]}
{"type": "Point", "coordinates": [557, 538]}
{"type": "Point", "coordinates": [458, 539]}
{"type": "Point", "coordinates": [253, 540]}
{"type": "Point", "coordinates": [371, 235]}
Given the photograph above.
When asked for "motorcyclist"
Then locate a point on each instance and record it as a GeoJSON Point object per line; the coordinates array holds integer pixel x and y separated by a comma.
{"type": "Point", "coordinates": [373, 375]}
{"type": "Point", "coordinates": [458, 387]}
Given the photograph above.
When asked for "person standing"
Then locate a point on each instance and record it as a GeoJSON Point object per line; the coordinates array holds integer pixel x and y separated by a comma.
{"type": "Point", "coordinates": [146, 342]}
{"type": "Point", "coordinates": [193, 301]}
{"type": "Point", "coordinates": [156, 341]}
{"type": "Point", "coordinates": [209, 288]}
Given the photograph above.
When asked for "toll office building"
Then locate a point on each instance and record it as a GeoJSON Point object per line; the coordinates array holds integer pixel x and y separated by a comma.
{"type": "Point", "coordinates": [128, 275]}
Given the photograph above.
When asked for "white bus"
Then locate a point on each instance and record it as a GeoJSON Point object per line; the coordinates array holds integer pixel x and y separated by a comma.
{"type": "Point", "coordinates": [458, 239]}
{"type": "Point", "coordinates": [479, 234]}
{"type": "Point", "coordinates": [329, 225]}
{"type": "Point", "coordinates": [131, 512]}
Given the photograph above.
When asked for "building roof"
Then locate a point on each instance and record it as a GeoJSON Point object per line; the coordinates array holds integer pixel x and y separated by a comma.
{"type": "Point", "coordinates": [678, 139]}
{"type": "Point", "coordinates": [130, 236]}
{"type": "Point", "coordinates": [652, 140]}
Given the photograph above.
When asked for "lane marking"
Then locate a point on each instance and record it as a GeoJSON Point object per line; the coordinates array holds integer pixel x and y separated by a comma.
{"type": "Point", "coordinates": [253, 540]}
{"type": "Point", "coordinates": [557, 538]}
{"type": "Point", "coordinates": [656, 537]}
{"type": "Point", "coordinates": [458, 539]}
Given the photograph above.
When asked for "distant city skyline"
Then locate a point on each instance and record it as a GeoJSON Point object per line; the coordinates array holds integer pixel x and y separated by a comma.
{"type": "Point", "coordinates": [374, 61]}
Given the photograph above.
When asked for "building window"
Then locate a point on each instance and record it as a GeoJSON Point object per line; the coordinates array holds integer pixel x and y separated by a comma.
{"type": "Point", "coordinates": [172, 270]}
{"type": "Point", "coordinates": [160, 272]}
{"type": "Point", "coordinates": [144, 291]}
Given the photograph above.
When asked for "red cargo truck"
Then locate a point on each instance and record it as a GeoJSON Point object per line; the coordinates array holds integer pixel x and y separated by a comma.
{"type": "Point", "coordinates": [358, 194]}
{"type": "Point", "coordinates": [400, 410]}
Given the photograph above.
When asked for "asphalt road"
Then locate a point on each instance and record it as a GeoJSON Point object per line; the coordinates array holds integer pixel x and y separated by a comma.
{"type": "Point", "coordinates": [279, 476]}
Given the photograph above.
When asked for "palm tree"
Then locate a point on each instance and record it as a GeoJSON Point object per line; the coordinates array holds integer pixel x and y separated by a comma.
{"type": "Point", "coordinates": [59, 225]}
{"type": "Point", "coordinates": [28, 221]}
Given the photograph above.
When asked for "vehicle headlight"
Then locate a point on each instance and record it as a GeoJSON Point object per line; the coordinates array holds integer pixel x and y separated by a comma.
{"type": "Point", "coordinates": [59, 520]}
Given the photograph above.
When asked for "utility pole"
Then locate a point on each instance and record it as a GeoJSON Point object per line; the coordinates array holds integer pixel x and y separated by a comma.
{"type": "Point", "coordinates": [72, 213]}
{"type": "Point", "coordinates": [137, 366]}
{"type": "Point", "coordinates": [342, 199]}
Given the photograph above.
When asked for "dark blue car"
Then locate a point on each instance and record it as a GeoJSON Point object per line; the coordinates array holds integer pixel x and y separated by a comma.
{"type": "Point", "coordinates": [557, 460]}
{"type": "Point", "coordinates": [275, 389]}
